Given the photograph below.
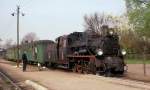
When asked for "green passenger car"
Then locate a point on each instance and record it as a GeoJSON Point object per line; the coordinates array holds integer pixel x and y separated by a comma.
{"type": "Point", "coordinates": [11, 53]}
{"type": "Point", "coordinates": [36, 51]}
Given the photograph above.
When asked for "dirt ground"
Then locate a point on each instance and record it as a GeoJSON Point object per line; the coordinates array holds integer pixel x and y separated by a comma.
{"type": "Point", "coordinates": [136, 72]}
{"type": "Point", "coordinates": [64, 80]}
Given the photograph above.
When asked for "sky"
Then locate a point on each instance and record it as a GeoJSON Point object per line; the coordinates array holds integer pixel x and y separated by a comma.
{"type": "Point", "coordinates": [50, 19]}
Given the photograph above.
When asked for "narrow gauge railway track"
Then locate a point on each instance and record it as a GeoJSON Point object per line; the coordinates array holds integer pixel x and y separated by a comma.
{"type": "Point", "coordinates": [8, 83]}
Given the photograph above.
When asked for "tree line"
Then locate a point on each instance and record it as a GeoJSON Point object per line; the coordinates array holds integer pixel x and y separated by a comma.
{"type": "Point", "coordinates": [29, 37]}
{"type": "Point", "coordinates": [132, 27]}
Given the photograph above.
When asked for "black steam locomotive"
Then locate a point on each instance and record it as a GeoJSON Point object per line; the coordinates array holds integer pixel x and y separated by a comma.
{"type": "Point", "coordinates": [89, 52]}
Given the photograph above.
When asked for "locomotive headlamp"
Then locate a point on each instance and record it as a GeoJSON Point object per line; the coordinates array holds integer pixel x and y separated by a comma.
{"type": "Point", "coordinates": [100, 52]}
{"type": "Point", "coordinates": [123, 52]}
{"type": "Point", "coordinates": [111, 32]}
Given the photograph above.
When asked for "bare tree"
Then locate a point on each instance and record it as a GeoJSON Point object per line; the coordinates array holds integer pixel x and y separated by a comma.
{"type": "Point", "coordinates": [128, 37]}
{"type": "Point", "coordinates": [30, 37]}
{"type": "Point", "coordinates": [97, 21]}
{"type": "Point", "coordinates": [8, 43]}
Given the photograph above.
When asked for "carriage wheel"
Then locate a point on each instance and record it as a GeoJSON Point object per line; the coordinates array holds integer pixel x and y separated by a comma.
{"type": "Point", "coordinates": [79, 69]}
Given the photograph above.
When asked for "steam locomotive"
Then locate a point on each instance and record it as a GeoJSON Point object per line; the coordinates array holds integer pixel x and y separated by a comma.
{"type": "Point", "coordinates": [89, 52]}
{"type": "Point", "coordinates": [82, 52]}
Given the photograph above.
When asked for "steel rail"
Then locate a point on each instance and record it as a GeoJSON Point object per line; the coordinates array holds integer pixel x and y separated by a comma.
{"type": "Point", "coordinates": [9, 80]}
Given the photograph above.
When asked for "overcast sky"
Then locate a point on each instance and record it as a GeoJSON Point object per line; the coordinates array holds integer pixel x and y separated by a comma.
{"type": "Point", "coordinates": [52, 18]}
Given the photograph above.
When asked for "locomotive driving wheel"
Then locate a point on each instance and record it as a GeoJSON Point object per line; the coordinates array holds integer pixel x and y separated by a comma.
{"type": "Point", "coordinates": [74, 69]}
{"type": "Point", "coordinates": [108, 71]}
{"type": "Point", "coordinates": [77, 68]}
{"type": "Point", "coordinates": [85, 69]}
{"type": "Point", "coordinates": [92, 68]}
{"type": "Point", "coordinates": [81, 69]}
{"type": "Point", "coordinates": [102, 69]}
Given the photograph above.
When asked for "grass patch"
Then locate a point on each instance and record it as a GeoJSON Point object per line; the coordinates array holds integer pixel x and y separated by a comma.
{"type": "Point", "coordinates": [136, 61]}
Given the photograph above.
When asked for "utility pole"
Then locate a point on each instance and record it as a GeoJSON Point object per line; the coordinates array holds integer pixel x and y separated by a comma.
{"type": "Point", "coordinates": [144, 57]}
{"type": "Point", "coordinates": [18, 15]}
{"type": "Point", "coordinates": [144, 61]}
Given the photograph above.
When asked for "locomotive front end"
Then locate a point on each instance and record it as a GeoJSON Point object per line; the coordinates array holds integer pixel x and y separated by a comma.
{"type": "Point", "coordinates": [110, 56]}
